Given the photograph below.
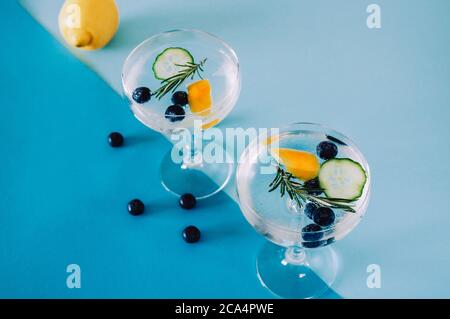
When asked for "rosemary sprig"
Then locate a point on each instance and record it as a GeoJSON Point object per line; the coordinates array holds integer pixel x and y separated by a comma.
{"type": "Point", "coordinates": [172, 83]}
{"type": "Point", "coordinates": [287, 183]}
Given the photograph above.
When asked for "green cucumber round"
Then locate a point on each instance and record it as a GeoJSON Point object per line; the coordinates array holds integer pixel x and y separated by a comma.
{"type": "Point", "coordinates": [342, 178]}
{"type": "Point", "coordinates": [167, 63]}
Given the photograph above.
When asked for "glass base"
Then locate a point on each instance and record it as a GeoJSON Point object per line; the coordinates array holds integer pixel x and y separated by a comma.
{"type": "Point", "coordinates": [297, 272]}
{"type": "Point", "coordinates": [200, 179]}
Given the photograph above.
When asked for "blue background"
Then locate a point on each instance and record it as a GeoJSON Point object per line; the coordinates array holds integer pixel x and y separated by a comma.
{"type": "Point", "coordinates": [63, 190]}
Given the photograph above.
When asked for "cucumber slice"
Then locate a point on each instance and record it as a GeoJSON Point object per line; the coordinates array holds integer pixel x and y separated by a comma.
{"type": "Point", "coordinates": [342, 178]}
{"type": "Point", "coordinates": [167, 63]}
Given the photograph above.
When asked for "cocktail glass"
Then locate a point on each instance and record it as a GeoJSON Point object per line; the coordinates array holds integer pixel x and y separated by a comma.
{"type": "Point", "coordinates": [301, 264]}
{"type": "Point", "coordinates": [184, 169]}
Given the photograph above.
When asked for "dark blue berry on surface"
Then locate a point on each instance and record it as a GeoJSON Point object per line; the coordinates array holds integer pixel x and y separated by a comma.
{"type": "Point", "coordinates": [142, 95]}
{"type": "Point", "coordinates": [312, 232]}
{"type": "Point", "coordinates": [327, 150]}
{"type": "Point", "coordinates": [187, 201]}
{"type": "Point", "coordinates": [310, 209]}
{"type": "Point", "coordinates": [330, 240]}
{"type": "Point", "coordinates": [324, 216]}
{"type": "Point", "coordinates": [335, 140]}
{"type": "Point", "coordinates": [136, 207]}
{"type": "Point", "coordinates": [180, 98]}
{"type": "Point", "coordinates": [175, 113]}
{"type": "Point", "coordinates": [313, 186]}
{"type": "Point", "coordinates": [115, 139]}
{"type": "Point", "coordinates": [191, 234]}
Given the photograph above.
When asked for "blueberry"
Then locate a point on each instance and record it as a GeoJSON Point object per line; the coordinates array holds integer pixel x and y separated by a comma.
{"type": "Point", "coordinates": [175, 113]}
{"type": "Point", "coordinates": [136, 207]}
{"type": "Point", "coordinates": [324, 216]}
{"type": "Point", "coordinates": [191, 234]}
{"type": "Point", "coordinates": [115, 139]}
{"type": "Point", "coordinates": [327, 150]}
{"type": "Point", "coordinates": [310, 209]}
{"type": "Point", "coordinates": [314, 244]}
{"type": "Point", "coordinates": [180, 98]}
{"type": "Point", "coordinates": [319, 243]}
{"type": "Point", "coordinates": [314, 186]}
{"type": "Point", "coordinates": [312, 232]}
{"type": "Point", "coordinates": [335, 140]}
{"type": "Point", "coordinates": [142, 95]}
{"type": "Point", "coordinates": [187, 201]}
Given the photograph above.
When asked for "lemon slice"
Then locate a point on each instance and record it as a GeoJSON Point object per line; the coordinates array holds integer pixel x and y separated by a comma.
{"type": "Point", "coordinates": [199, 97]}
{"type": "Point", "coordinates": [303, 165]}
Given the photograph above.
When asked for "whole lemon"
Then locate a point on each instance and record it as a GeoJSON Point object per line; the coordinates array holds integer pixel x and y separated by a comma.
{"type": "Point", "coordinates": [88, 24]}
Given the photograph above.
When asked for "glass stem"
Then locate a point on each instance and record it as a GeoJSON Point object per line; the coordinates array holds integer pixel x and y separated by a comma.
{"type": "Point", "coordinates": [295, 255]}
{"type": "Point", "coordinates": [191, 155]}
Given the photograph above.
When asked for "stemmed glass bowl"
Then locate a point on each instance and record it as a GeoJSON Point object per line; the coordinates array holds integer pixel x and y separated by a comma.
{"type": "Point", "coordinates": [297, 262]}
{"type": "Point", "coordinates": [184, 170]}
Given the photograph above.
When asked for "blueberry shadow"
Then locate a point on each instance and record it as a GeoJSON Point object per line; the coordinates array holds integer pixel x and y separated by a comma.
{"type": "Point", "coordinates": [138, 139]}
{"type": "Point", "coordinates": [163, 204]}
{"type": "Point", "coordinates": [219, 232]}
{"type": "Point", "coordinates": [215, 200]}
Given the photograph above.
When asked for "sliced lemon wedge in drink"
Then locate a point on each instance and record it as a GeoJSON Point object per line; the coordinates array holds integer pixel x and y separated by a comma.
{"type": "Point", "coordinates": [199, 97]}
{"type": "Point", "coordinates": [210, 124]}
{"type": "Point", "coordinates": [303, 165]}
